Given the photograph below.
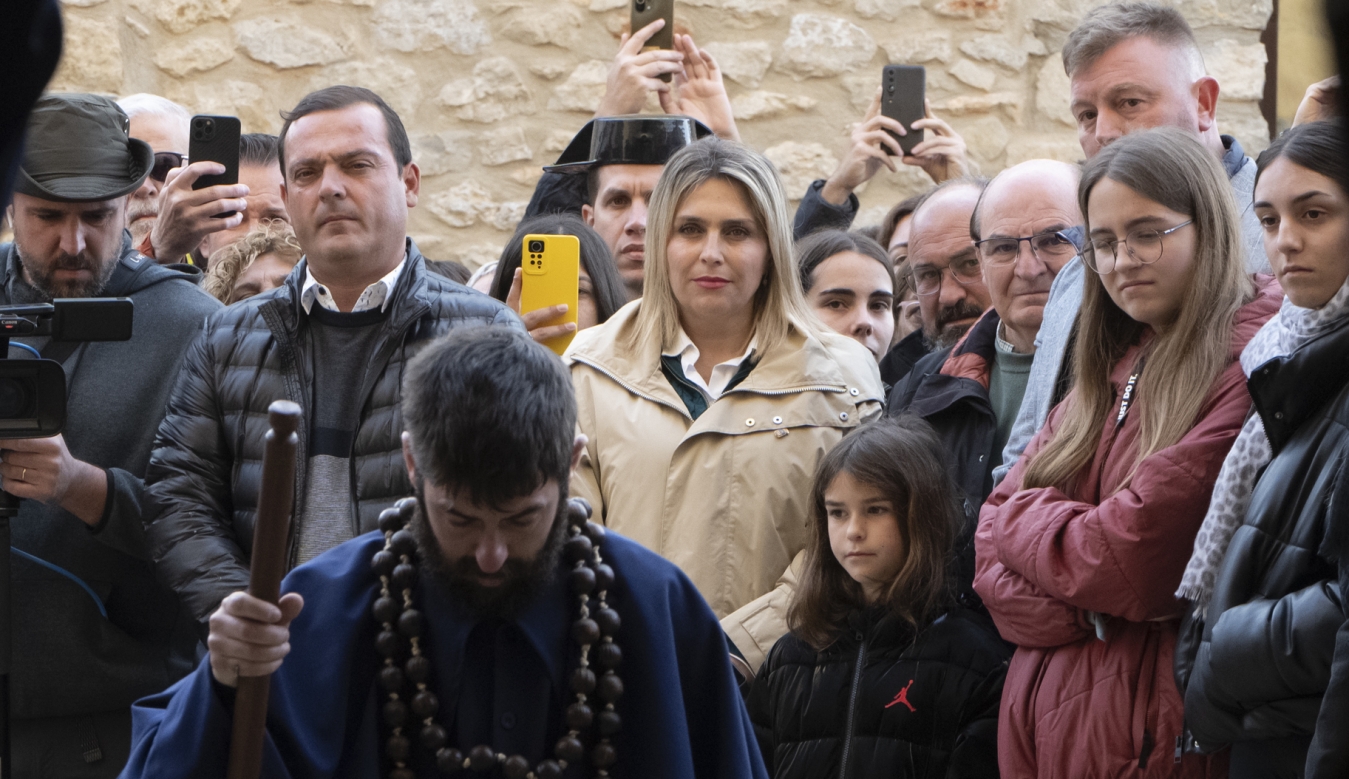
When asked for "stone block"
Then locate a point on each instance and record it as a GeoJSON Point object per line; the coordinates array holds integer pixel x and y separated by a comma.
{"type": "Point", "coordinates": [554, 24]}
{"type": "Point", "coordinates": [1043, 147]}
{"type": "Point", "coordinates": [1244, 122]}
{"type": "Point", "coordinates": [765, 105]}
{"type": "Point", "coordinates": [964, 105]}
{"type": "Point", "coordinates": [920, 48]}
{"type": "Point", "coordinates": [607, 5]}
{"type": "Point", "coordinates": [397, 84]}
{"type": "Point", "coordinates": [744, 63]}
{"type": "Point", "coordinates": [985, 137]}
{"type": "Point", "coordinates": [288, 44]}
{"type": "Point", "coordinates": [443, 152]}
{"type": "Point", "coordinates": [427, 25]}
{"type": "Point", "coordinates": [999, 49]}
{"type": "Point", "coordinates": [821, 46]}
{"type": "Point", "coordinates": [1247, 14]}
{"type": "Point", "coordinates": [499, 147]}
{"type": "Point", "coordinates": [744, 13]}
{"type": "Point", "coordinates": [82, 3]}
{"type": "Point", "coordinates": [861, 88]}
{"type": "Point", "coordinates": [196, 54]}
{"type": "Point", "coordinates": [1053, 95]}
{"type": "Point", "coordinates": [462, 204]}
{"type": "Point", "coordinates": [1239, 68]}
{"type": "Point", "coordinates": [549, 71]}
{"type": "Point", "coordinates": [888, 10]}
{"type": "Point", "coordinates": [496, 91]}
{"type": "Point", "coordinates": [137, 26]}
{"type": "Point", "coordinates": [583, 89]}
{"type": "Point", "coordinates": [799, 164]}
{"type": "Point", "coordinates": [505, 216]}
{"type": "Point", "coordinates": [91, 60]}
{"type": "Point", "coordinates": [258, 112]}
{"type": "Point", "coordinates": [557, 140]}
{"type": "Point", "coordinates": [974, 75]}
{"type": "Point", "coordinates": [180, 16]}
{"type": "Point", "coordinates": [963, 9]}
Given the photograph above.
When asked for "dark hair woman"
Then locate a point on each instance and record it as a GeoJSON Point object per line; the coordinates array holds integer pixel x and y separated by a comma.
{"type": "Point", "coordinates": [1262, 574]}
{"type": "Point", "coordinates": [882, 669]}
{"type": "Point", "coordinates": [1080, 549]}
{"type": "Point", "coordinates": [850, 283]}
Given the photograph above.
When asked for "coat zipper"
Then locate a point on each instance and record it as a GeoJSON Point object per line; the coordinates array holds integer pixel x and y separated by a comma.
{"type": "Point", "coordinates": [852, 706]}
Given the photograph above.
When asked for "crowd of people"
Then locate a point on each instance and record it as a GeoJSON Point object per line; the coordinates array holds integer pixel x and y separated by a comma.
{"type": "Point", "coordinates": [1040, 477]}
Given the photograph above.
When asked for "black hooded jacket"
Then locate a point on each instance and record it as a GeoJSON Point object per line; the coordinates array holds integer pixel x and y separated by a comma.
{"type": "Point", "coordinates": [207, 463]}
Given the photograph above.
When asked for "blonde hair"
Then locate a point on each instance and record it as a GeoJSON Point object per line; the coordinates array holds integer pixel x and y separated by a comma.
{"type": "Point", "coordinates": [273, 236]}
{"type": "Point", "coordinates": [1169, 167]}
{"type": "Point", "coordinates": [779, 305]}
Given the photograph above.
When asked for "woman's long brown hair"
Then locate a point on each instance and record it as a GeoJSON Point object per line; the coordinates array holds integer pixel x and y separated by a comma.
{"type": "Point", "coordinates": [1169, 167]}
{"type": "Point", "coordinates": [902, 458]}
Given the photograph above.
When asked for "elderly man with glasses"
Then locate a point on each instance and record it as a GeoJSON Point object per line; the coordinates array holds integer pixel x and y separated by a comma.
{"type": "Point", "coordinates": [1019, 231]}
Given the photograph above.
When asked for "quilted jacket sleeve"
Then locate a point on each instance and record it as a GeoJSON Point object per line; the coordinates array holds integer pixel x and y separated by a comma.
{"type": "Point", "coordinates": [1123, 557]}
{"type": "Point", "coordinates": [188, 482]}
{"type": "Point", "coordinates": [975, 754]}
{"type": "Point", "coordinates": [1329, 753]}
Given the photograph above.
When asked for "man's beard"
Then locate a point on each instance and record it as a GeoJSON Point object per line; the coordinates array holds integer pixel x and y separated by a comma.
{"type": "Point", "coordinates": [43, 277]}
{"type": "Point", "coordinates": [523, 579]}
{"type": "Point", "coordinates": [136, 208]}
{"type": "Point", "coordinates": [947, 334]}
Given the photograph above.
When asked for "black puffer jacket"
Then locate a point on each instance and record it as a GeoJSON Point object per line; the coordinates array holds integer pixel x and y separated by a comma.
{"type": "Point", "coordinates": [884, 703]}
{"type": "Point", "coordinates": [1269, 631]}
{"type": "Point", "coordinates": [207, 462]}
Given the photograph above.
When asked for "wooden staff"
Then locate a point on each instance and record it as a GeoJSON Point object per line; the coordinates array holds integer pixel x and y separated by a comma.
{"type": "Point", "coordinates": [271, 535]}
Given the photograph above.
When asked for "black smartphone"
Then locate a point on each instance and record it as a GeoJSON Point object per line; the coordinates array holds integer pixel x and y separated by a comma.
{"type": "Point", "coordinates": [645, 12]}
{"type": "Point", "coordinates": [215, 138]}
{"type": "Point", "coordinates": [903, 88]}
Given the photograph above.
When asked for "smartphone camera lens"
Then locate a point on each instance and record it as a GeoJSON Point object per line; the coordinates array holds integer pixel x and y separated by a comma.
{"type": "Point", "coordinates": [535, 246]}
{"type": "Point", "coordinates": [639, 5]}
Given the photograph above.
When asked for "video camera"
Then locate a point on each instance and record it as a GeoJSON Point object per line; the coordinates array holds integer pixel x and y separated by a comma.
{"type": "Point", "coordinates": [33, 392]}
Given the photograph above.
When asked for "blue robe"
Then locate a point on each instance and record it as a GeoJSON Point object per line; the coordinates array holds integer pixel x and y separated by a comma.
{"type": "Point", "coordinates": [682, 715]}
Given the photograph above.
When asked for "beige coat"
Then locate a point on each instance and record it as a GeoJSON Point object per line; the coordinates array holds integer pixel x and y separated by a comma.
{"type": "Point", "coordinates": [724, 497]}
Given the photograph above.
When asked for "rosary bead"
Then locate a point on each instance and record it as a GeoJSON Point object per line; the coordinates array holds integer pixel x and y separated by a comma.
{"type": "Point", "coordinates": [406, 506]}
{"type": "Point", "coordinates": [418, 669]}
{"type": "Point", "coordinates": [388, 644]}
{"type": "Point", "coordinates": [604, 576]}
{"type": "Point", "coordinates": [577, 548]}
{"type": "Point", "coordinates": [449, 761]}
{"type": "Point", "coordinates": [399, 748]}
{"type": "Point", "coordinates": [425, 704]}
{"type": "Point", "coordinates": [391, 678]}
{"type": "Point", "coordinates": [404, 576]}
{"type": "Point", "coordinates": [579, 716]}
{"type": "Point", "coordinates": [608, 656]}
{"type": "Point", "coordinates": [390, 521]}
{"type": "Point", "coordinates": [515, 767]}
{"type": "Point", "coordinates": [610, 688]}
{"type": "Point", "coordinates": [402, 773]}
{"type": "Point", "coordinates": [585, 631]}
{"type": "Point", "coordinates": [608, 620]}
{"type": "Point", "coordinates": [403, 543]}
{"type": "Point", "coordinates": [482, 759]}
{"type": "Point", "coordinates": [385, 609]}
{"type": "Point", "coordinates": [433, 738]}
{"type": "Point", "coordinates": [578, 510]}
{"type": "Point", "coordinates": [548, 769]}
{"type": "Point", "coordinates": [410, 623]}
{"type": "Point", "coordinates": [583, 681]}
{"type": "Point", "coordinates": [582, 580]}
{"type": "Point", "coordinates": [569, 748]}
{"type": "Point", "coordinates": [603, 755]}
{"type": "Point", "coordinates": [395, 714]}
{"type": "Point", "coordinates": [594, 531]}
{"type": "Point", "coordinates": [383, 562]}
{"type": "Point", "coordinates": [608, 722]}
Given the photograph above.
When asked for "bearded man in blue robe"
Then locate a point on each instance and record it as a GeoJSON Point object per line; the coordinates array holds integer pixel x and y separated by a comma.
{"type": "Point", "coordinates": [487, 630]}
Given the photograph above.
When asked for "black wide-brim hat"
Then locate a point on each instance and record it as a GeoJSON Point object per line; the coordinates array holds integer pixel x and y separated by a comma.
{"type": "Point", "coordinates": [79, 149]}
{"type": "Point", "coordinates": [636, 139]}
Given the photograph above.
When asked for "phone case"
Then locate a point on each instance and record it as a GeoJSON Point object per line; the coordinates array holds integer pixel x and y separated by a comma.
{"type": "Point", "coordinates": [215, 138]}
{"type": "Point", "coordinates": [645, 12]}
{"type": "Point", "coordinates": [551, 276]}
{"type": "Point", "coordinates": [903, 88]}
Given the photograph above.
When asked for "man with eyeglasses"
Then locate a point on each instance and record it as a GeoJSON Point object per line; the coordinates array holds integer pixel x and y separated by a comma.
{"type": "Point", "coordinates": [163, 124]}
{"type": "Point", "coordinates": [1024, 227]}
{"type": "Point", "coordinates": [944, 263]}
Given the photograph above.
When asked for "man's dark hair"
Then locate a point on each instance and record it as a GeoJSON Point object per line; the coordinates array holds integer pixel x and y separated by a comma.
{"type": "Point", "coordinates": [490, 412]}
{"type": "Point", "coordinates": [257, 149]}
{"type": "Point", "coordinates": [338, 97]}
{"type": "Point", "coordinates": [593, 185]}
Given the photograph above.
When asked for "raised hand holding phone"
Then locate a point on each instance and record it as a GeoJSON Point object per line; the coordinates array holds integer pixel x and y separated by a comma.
{"type": "Point", "coordinates": [545, 290]}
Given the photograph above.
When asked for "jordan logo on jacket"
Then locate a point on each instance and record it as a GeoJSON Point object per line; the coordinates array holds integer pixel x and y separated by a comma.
{"type": "Point", "coordinates": [903, 697]}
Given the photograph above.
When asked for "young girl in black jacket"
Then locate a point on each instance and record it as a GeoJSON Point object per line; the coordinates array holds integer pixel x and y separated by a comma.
{"type": "Point", "coordinates": [882, 674]}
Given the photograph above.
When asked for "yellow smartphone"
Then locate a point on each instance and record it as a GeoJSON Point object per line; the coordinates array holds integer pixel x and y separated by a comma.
{"type": "Point", "coordinates": [551, 275]}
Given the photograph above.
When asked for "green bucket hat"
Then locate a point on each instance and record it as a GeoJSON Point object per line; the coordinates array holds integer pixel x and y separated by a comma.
{"type": "Point", "coordinates": [78, 149]}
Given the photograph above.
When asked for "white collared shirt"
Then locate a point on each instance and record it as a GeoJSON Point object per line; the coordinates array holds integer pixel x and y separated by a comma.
{"type": "Point", "coordinates": [376, 295]}
{"type": "Point", "coordinates": [722, 373]}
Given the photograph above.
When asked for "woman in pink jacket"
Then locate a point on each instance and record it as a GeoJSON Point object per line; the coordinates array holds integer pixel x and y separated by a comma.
{"type": "Point", "coordinates": [1082, 545]}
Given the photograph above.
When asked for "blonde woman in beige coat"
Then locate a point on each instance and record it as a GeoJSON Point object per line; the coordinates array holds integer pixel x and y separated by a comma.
{"type": "Point", "coordinates": [708, 403]}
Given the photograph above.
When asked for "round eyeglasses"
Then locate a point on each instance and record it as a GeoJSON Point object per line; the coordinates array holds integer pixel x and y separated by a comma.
{"type": "Point", "coordinates": [927, 279]}
{"type": "Point", "coordinates": [1045, 247]}
{"type": "Point", "coordinates": [166, 161]}
{"type": "Point", "coordinates": [1143, 244]}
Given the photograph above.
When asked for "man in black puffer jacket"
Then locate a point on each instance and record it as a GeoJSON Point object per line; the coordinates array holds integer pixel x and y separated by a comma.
{"type": "Point", "coordinates": [334, 338]}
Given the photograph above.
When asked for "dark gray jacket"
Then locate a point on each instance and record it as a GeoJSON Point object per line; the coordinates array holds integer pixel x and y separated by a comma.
{"type": "Point", "coordinates": [68, 658]}
{"type": "Point", "coordinates": [207, 463]}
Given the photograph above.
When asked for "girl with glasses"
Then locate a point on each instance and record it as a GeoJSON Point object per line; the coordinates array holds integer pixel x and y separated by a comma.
{"type": "Point", "coordinates": [1080, 549]}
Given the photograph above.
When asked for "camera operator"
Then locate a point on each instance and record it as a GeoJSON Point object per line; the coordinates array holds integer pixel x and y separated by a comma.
{"type": "Point", "coordinates": [92, 628]}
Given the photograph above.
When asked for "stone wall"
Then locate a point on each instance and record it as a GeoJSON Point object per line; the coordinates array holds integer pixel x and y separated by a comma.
{"type": "Point", "coordinates": [491, 90]}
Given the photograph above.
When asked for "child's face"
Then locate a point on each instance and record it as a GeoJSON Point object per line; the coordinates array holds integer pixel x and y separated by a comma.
{"type": "Point", "coordinates": [864, 533]}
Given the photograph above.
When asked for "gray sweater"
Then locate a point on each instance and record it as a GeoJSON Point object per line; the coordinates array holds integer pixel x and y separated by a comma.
{"type": "Point", "coordinates": [68, 658]}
